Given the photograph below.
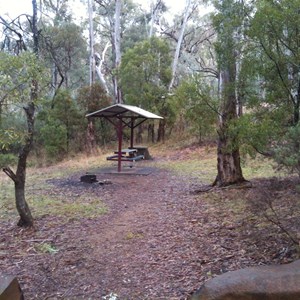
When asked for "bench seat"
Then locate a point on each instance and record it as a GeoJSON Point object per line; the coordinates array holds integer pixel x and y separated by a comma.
{"type": "Point", "coordinates": [124, 158]}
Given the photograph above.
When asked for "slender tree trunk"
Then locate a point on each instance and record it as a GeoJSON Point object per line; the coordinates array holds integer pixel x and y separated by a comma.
{"type": "Point", "coordinates": [26, 219]}
{"type": "Point", "coordinates": [178, 46]}
{"type": "Point", "coordinates": [90, 137]}
{"type": "Point", "coordinates": [19, 177]}
{"type": "Point", "coordinates": [91, 36]}
{"type": "Point", "coordinates": [117, 50]}
{"type": "Point", "coordinates": [297, 106]}
{"type": "Point", "coordinates": [161, 130]}
{"type": "Point", "coordinates": [151, 134]}
{"type": "Point", "coordinates": [99, 63]}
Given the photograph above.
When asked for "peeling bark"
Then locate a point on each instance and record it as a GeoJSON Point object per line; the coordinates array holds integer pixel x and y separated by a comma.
{"type": "Point", "coordinates": [228, 155]}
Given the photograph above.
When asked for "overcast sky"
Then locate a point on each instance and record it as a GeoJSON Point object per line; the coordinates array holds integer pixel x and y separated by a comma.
{"type": "Point", "coordinates": [17, 7]}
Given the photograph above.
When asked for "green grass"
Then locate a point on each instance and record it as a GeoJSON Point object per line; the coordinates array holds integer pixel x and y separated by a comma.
{"type": "Point", "coordinates": [42, 200]}
{"type": "Point", "coordinates": [204, 167]}
{"type": "Point", "coordinates": [79, 207]}
{"type": "Point", "coordinates": [193, 162]}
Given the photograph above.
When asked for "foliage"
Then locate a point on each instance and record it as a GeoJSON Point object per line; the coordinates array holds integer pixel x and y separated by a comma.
{"type": "Point", "coordinates": [63, 48]}
{"type": "Point", "coordinates": [16, 73]}
{"type": "Point", "coordinates": [145, 74]}
{"type": "Point", "coordinates": [287, 150]}
{"type": "Point", "coordinates": [7, 160]}
{"type": "Point", "coordinates": [46, 248]}
{"type": "Point", "coordinates": [91, 99]}
{"type": "Point", "coordinates": [55, 140]}
{"type": "Point", "coordinates": [196, 105]}
{"type": "Point", "coordinates": [255, 133]}
{"type": "Point", "coordinates": [8, 137]}
{"type": "Point", "coordinates": [59, 126]}
{"type": "Point", "coordinates": [275, 29]}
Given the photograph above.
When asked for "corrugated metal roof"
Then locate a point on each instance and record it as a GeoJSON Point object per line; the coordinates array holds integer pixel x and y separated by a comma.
{"type": "Point", "coordinates": [122, 110]}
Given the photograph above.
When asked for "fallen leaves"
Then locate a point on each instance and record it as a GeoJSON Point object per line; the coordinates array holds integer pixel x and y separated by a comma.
{"type": "Point", "coordinates": [156, 241]}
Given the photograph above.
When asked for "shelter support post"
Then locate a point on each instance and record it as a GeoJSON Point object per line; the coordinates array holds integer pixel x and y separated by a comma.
{"type": "Point", "coordinates": [131, 133]}
{"type": "Point", "coordinates": [120, 137]}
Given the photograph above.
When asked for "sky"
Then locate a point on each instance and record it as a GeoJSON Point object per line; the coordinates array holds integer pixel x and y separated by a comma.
{"type": "Point", "coordinates": [17, 7]}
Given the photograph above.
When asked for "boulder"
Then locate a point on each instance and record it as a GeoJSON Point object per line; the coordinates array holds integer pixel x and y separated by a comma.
{"type": "Point", "coordinates": [10, 288]}
{"type": "Point", "coordinates": [279, 282]}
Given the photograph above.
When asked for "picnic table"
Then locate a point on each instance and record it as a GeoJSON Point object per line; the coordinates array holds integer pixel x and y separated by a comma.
{"type": "Point", "coordinates": [126, 155]}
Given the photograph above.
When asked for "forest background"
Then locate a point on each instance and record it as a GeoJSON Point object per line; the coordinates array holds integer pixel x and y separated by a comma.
{"type": "Point", "coordinates": [230, 76]}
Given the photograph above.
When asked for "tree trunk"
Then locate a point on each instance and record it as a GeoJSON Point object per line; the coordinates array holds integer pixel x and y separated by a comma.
{"type": "Point", "coordinates": [91, 36]}
{"type": "Point", "coordinates": [139, 135]}
{"type": "Point", "coordinates": [161, 131]}
{"type": "Point", "coordinates": [151, 134]}
{"type": "Point", "coordinates": [117, 50]}
{"type": "Point", "coordinates": [19, 177]}
{"type": "Point", "coordinates": [178, 46]}
{"type": "Point", "coordinates": [228, 155]}
{"type": "Point", "coordinates": [99, 62]}
{"type": "Point", "coordinates": [90, 138]}
{"type": "Point", "coordinates": [229, 164]}
{"type": "Point", "coordinates": [26, 219]}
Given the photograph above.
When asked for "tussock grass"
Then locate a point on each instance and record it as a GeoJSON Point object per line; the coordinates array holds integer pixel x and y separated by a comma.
{"type": "Point", "coordinates": [80, 207]}
{"type": "Point", "coordinates": [201, 163]}
{"type": "Point", "coordinates": [40, 198]}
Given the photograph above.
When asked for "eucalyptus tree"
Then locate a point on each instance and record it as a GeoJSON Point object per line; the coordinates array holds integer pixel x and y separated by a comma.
{"type": "Point", "coordinates": [60, 131]}
{"type": "Point", "coordinates": [228, 22]}
{"type": "Point", "coordinates": [196, 108]}
{"type": "Point", "coordinates": [191, 36]}
{"type": "Point", "coordinates": [63, 46]}
{"type": "Point", "coordinates": [19, 79]}
{"type": "Point", "coordinates": [157, 9]}
{"type": "Point", "coordinates": [145, 76]}
{"type": "Point", "coordinates": [117, 25]}
{"type": "Point", "coordinates": [275, 30]}
{"type": "Point", "coordinates": [179, 42]}
{"type": "Point", "coordinates": [90, 99]}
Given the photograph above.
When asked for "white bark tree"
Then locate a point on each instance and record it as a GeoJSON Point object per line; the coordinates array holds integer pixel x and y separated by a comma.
{"type": "Point", "coordinates": [117, 50]}
{"type": "Point", "coordinates": [179, 42]}
{"type": "Point", "coordinates": [91, 37]}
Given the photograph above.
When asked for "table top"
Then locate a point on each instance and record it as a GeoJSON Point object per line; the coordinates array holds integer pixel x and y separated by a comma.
{"type": "Point", "coordinates": [126, 151]}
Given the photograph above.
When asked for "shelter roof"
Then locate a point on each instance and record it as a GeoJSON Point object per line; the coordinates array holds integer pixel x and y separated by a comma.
{"type": "Point", "coordinates": [122, 110]}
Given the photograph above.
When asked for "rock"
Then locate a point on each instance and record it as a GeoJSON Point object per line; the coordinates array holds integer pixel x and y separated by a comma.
{"type": "Point", "coordinates": [105, 181]}
{"type": "Point", "coordinates": [280, 282]}
{"type": "Point", "coordinates": [10, 288]}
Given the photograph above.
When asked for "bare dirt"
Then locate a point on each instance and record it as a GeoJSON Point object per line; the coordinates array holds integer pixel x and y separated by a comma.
{"type": "Point", "coordinates": [158, 240]}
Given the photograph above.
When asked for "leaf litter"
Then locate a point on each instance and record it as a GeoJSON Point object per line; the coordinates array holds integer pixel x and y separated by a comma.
{"type": "Point", "coordinates": [156, 240]}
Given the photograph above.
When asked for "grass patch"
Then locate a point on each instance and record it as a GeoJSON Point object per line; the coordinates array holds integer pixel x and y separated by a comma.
{"type": "Point", "coordinates": [131, 235]}
{"type": "Point", "coordinates": [260, 167]}
{"type": "Point", "coordinates": [46, 248]}
{"type": "Point", "coordinates": [41, 198]}
{"type": "Point", "coordinates": [79, 207]}
{"type": "Point", "coordinates": [202, 169]}
{"type": "Point", "coordinates": [202, 164]}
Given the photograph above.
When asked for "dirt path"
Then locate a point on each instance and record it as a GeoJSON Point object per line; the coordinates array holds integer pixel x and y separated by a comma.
{"type": "Point", "coordinates": [157, 241]}
{"type": "Point", "coordinates": [145, 240]}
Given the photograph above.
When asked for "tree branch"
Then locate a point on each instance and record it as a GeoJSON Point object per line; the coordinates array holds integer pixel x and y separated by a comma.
{"type": "Point", "coordinates": [10, 173]}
